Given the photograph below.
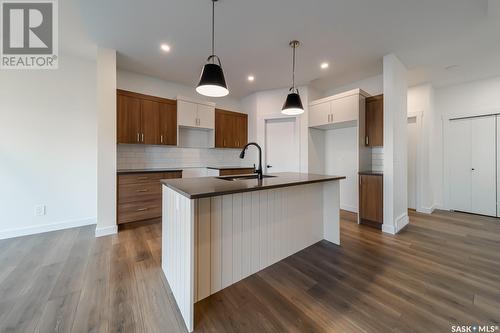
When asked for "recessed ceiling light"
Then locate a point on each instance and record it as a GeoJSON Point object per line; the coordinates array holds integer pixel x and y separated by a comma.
{"type": "Point", "coordinates": [324, 65]}
{"type": "Point", "coordinates": [165, 47]}
{"type": "Point", "coordinates": [251, 78]}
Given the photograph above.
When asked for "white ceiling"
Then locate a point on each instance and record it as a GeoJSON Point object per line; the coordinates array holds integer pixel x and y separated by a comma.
{"type": "Point", "coordinates": [252, 38]}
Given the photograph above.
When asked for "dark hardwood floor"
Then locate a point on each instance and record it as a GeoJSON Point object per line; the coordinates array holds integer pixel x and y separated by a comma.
{"type": "Point", "coordinates": [442, 270]}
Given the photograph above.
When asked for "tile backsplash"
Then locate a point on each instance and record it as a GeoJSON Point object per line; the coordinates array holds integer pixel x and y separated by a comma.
{"type": "Point", "coordinates": [142, 156]}
{"type": "Point", "coordinates": [378, 159]}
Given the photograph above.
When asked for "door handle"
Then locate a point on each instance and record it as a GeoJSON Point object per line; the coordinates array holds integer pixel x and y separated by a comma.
{"type": "Point", "coordinates": [269, 166]}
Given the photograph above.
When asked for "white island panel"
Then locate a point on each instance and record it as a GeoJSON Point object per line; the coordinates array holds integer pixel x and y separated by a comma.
{"type": "Point", "coordinates": [236, 235]}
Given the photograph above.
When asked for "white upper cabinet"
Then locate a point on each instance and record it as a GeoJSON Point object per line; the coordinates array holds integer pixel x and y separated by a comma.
{"type": "Point", "coordinates": [187, 113]}
{"type": "Point", "coordinates": [206, 116]}
{"type": "Point", "coordinates": [342, 108]}
{"type": "Point", "coordinates": [197, 115]}
{"type": "Point", "coordinates": [319, 114]}
{"type": "Point", "coordinates": [345, 109]}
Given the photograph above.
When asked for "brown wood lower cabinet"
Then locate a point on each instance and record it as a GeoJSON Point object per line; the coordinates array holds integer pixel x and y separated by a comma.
{"type": "Point", "coordinates": [139, 195]}
{"type": "Point", "coordinates": [371, 196]}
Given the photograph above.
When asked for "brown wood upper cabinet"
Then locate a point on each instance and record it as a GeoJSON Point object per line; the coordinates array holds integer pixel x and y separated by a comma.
{"type": "Point", "coordinates": [371, 196]}
{"type": "Point", "coordinates": [144, 119]}
{"type": "Point", "coordinates": [374, 129]}
{"type": "Point", "coordinates": [231, 129]}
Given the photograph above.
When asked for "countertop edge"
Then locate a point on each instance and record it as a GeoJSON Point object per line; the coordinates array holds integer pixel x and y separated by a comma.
{"type": "Point", "coordinates": [244, 190]}
{"type": "Point", "coordinates": [124, 172]}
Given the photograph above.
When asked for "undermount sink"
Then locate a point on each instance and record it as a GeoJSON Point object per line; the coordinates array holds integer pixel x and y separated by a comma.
{"type": "Point", "coordinates": [243, 177]}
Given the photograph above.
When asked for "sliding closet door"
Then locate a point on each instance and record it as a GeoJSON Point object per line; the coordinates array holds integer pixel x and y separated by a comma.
{"type": "Point", "coordinates": [483, 190]}
{"type": "Point", "coordinates": [498, 165]}
{"type": "Point", "coordinates": [472, 165]}
{"type": "Point", "coordinates": [460, 154]}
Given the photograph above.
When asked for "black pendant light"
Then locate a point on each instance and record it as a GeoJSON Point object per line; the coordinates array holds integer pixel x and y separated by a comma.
{"type": "Point", "coordinates": [293, 104]}
{"type": "Point", "coordinates": [212, 81]}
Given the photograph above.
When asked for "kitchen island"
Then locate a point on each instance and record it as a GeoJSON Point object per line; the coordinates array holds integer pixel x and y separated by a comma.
{"type": "Point", "coordinates": [219, 230]}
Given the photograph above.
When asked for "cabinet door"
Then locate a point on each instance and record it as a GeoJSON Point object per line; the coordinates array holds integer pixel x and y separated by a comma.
{"type": "Point", "coordinates": [345, 109]}
{"type": "Point", "coordinates": [150, 121]}
{"type": "Point", "coordinates": [128, 119]}
{"type": "Point", "coordinates": [319, 114]}
{"type": "Point", "coordinates": [187, 113]}
{"type": "Point", "coordinates": [371, 198]}
{"type": "Point", "coordinates": [168, 124]}
{"type": "Point", "coordinates": [374, 126]}
{"type": "Point", "coordinates": [224, 129]}
{"type": "Point", "coordinates": [206, 116]}
{"type": "Point", "coordinates": [241, 130]}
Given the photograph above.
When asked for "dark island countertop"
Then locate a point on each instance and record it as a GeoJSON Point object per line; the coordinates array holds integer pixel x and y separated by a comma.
{"type": "Point", "coordinates": [203, 187]}
{"type": "Point", "coordinates": [371, 173]}
{"type": "Point", "coordinates": [127, 171]}
{"type": "Point", "coordinates": [229, 167]}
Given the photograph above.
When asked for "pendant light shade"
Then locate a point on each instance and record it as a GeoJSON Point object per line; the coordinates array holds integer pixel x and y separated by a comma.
{"type": "Point", "coordinates": [212, 82]}
{"type": "Point", "coordinates": [293, 103]}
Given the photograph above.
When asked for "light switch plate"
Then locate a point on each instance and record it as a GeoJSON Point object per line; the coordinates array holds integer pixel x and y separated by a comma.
{"type": "Point", "coordinates": [39, 210]}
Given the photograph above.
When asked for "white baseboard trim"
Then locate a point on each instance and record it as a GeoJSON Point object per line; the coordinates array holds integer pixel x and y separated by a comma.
{"type": "Point", "coordinates": [401, 222]}
{"type": "Point", "coordinates": [11, 233]}
{"type": "Point", "coordinates": [349, 208]}
{"type": "Point", "coordinates": [106, 231]}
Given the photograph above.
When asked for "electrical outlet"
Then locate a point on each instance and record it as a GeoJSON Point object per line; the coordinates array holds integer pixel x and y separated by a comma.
{"type": "Point", "coordinates": [39, 210]}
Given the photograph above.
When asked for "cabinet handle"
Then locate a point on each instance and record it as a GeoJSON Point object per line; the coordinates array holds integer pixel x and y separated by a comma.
{"type": "Point", "coordinates": [224, 143]}
{"type": "Point", "coordinates": [138, 137]}
{"type": "Point", "coordinates": [143, 190]}
{"type": "Point", "coordinates": [142, 137]}
{"type": "Point", "coordinates": [142, 209]}
{"type": "Point", "coordinates": [366, 140]}
{"type": "Point", "coordinates": [161, 138]}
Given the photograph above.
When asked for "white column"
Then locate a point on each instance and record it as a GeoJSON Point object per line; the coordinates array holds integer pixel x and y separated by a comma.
{"type": "Point", "coordinates": [395, 145]}
{"type": "Point", "coordinates": [106, 142]}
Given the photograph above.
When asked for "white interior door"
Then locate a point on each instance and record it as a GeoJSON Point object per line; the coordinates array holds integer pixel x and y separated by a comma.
{"type": "Point", "coordinates": [483, 189]}
{"type": "Point", "coordinates": [281, 147]}
{"type": "Point", "coordinates": [472, 165]}
{"type": "Point", "coordinates": [459, 167]}
{"type": "Point", "coordinates": [412, 162]}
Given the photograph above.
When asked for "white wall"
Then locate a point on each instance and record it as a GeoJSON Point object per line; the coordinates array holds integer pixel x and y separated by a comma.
{"type": "Point", "coordinates": [344, 161]}
{"type": "Point", "coordinates": [48, 147]}
{"type": "Point", "coordinates": [156, 87]}
{"type": "Point", "coordinates": [106, 142]}
{"type": "Point", "coordinates": [373, 85]}
{"type": "Point", "coordinates": [395, 145]}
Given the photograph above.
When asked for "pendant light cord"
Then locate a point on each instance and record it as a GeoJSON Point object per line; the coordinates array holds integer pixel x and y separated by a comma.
{"type": "Point", "coordinates": [213, 30]}
{"type": "Point", "coordinates": [293, 68]}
